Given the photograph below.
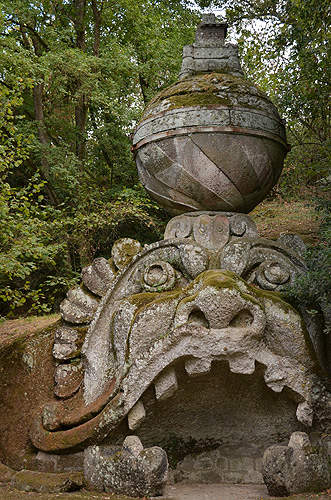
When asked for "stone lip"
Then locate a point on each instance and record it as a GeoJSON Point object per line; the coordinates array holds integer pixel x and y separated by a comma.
{"type": "Point", "coordinates": [43, 482]}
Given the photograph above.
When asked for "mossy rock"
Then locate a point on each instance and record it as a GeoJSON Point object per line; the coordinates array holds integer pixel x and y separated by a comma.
{"type": "Point", "coordinates": [43, 482]}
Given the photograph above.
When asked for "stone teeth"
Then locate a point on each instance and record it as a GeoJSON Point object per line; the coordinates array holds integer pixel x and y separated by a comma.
{"type": "Point", "coordinates": [196, 367]}
{"type": "Point", "coordinates": [136, 416]}
{"type": "Point", "coordinates": [166, 384]}
{"type": "Point", "coordinates": [242, 364]}
{"type": "Point", "coordinates": [305, 413]}
{"type": "Point", "coordinates": [275, 378]}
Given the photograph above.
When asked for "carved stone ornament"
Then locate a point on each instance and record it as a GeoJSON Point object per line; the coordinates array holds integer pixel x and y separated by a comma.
{"type": "Point", "coordinates": [202, 297]}
{"type": "Point", "coordinates": [212, 140]}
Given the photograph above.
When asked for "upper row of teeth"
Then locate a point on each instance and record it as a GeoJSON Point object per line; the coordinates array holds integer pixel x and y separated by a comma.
{"type": "Point", "coordinates": [166, 385]}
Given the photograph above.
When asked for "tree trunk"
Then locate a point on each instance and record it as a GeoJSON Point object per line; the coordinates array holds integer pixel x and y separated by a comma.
{"type": "Point", "coordinates": [81, 107]}
{"type": "Point", "coordinates": [144, 88]}
{"type": "Point", "coordinates": [97, 26]}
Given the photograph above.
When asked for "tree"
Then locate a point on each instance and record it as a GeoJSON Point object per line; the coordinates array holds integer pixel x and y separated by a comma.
{"type": "Point", "coordinates": [78, 73]}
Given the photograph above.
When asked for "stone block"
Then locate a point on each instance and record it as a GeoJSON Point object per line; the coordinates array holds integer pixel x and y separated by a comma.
{"type": "Point", "coordinates": [233, 477]}
{"type": "Point", "coordinates": [253, 477]}
{"type": "Point", "coordinates": [136, 415]}
{"type": "Point", "coordinates": [166, 384]}
{"type": "Point", "coordinates": [258, 464]}
{"type": "Point", "coordinates": [6, 473]}
{"type": "Point", "coordinates": [222, 463]}
{"type": "Point", "coordinates": [241, 464]}
{"type": "Point", "coordinates": [130, 470]}
{"type": "Point", "coordinates": [49, 462]}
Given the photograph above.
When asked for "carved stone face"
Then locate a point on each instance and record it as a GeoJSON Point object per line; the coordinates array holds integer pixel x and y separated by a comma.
{"type": "Point", "coordinates": [170, 327]}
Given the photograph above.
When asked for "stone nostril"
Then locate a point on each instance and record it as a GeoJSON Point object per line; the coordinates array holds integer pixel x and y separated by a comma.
{"type": "Point", "coordinates": [197, 316]}
{"type": "Point", "coordinates": [242, 319]}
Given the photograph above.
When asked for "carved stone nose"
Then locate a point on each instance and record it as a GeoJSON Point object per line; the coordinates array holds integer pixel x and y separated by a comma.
{"type": "Point", "coordinates": [221, 309]}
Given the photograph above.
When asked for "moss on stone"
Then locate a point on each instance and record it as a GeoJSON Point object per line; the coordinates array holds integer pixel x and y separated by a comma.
{"type": "Point", "coordinates": [207, 90]}
{"type": "Point", "coordinates": [220, 279]}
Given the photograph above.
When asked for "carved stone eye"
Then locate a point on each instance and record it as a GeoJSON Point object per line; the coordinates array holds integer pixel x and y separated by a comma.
{"type": "Point", "coordinates": [271, 275]}
{"type": "Point", "coordinates": [159, 277]}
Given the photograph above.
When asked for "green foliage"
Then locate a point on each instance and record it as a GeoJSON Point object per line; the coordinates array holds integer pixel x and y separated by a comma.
{"type": "Point", "coordinates": [313, 287]}
{"type": "Point", "coordinates": [305, 165]}
{"type": "Point", "coordinates": [73, 81]}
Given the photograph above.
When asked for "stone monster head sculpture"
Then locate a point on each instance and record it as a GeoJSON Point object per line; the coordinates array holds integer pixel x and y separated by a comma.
{"type": "Point", "coordinates": [202, 297]}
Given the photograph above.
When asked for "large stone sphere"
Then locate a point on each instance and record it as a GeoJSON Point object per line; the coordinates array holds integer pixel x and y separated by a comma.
{"type": "Point", "coordinates": [210, 142]}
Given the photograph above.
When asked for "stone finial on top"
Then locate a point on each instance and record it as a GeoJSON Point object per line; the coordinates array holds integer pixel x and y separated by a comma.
{"type": "Point", "coordinates": [210, 32]}
{"type": "Point", "coordinates": [209, 53]}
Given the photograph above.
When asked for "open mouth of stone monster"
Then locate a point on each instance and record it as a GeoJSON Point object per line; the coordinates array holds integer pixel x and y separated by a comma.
{"type": "Point", "coordinates": [215, 426]}
{"type": "Point", "coordinates": [191, 358]}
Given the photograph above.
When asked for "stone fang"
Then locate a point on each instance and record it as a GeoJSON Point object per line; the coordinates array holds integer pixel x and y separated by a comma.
{"type": "Point", "coordinates": [166, 384]}
{"type": "Point", "coordinates": [136, 416]}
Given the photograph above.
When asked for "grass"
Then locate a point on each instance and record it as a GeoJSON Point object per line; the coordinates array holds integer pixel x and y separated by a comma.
{"type": "Point", "coordinates": [276, 217]}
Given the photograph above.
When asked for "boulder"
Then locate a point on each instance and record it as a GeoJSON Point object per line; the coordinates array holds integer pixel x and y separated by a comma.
{"type": "Point", "coordinates": [296, 468]}
{"type": "Point", "coordinates": [6, 473]}
{"type": "Point", "coordinates": [130, 470]}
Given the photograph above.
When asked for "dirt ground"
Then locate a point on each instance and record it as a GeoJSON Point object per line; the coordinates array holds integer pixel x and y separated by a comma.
{"type": "Point", "coordinates": [277, 217]}
{"type": "Point", "coordinates": [173, 492]}
{"type": "Point", "coordinates": [12, 328]}
{"type": "Point", "coordinates": [216, 492]}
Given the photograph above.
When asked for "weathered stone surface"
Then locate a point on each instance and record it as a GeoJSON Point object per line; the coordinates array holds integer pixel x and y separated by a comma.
{"type": "Point", "coordinates": [211, 141]}
{"type": "Point", "coordinates": [67, 343]}
{"type": "Point", "coordinates": [159, 277]}
{"type": "Point", "coordinates": [136, 415]}
{"type": "Point", "coordinates": [166, 384]}
{"type": "Point", "coordinates": [26, 382]}
{"type": "Point", "coordinates": [267, 264]}
{"type": "Point", "coordinates": [6, 473]}
{"type": "Point", "coordinates": [78, 307]}
{"type": "Point", "coordinates": [213, 466]}
{"type": "Point", "coordinates": [98, 276]}
{"type": "Point", "coordinates": [172, 316]}
{"type": "Point", "coordinates": [42, 482]}
{"type": "Point", "coordinates": [133, 445]}
{"type": "Point", "coordinates": [294, 242]}
{"type": "Point", "coordinates": [68, 379]}
{"type": "Point", "coordinates": [124, 250]}
{"type": "Point", "coordinates": [212, 230]}
{"type": "Point", "coordinates": [296, 468]}
{"type": "Point", "coordinates": [50, 462]}
{"type": "Point", "coordinates": [131, 470]}
{"type": "Point", "coordinates": [218, 316]}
